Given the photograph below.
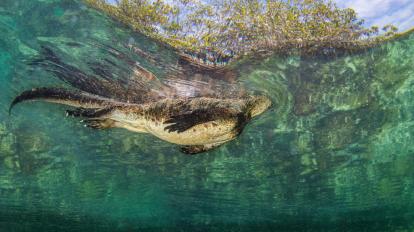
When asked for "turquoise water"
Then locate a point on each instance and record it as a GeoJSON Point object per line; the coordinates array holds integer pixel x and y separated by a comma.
{"type": "Point", "coordinates": [335, 154]}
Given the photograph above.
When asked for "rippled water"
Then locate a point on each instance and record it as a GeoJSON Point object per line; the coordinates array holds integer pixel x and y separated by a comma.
{"type": "Point", "coordinates": [336, 153]}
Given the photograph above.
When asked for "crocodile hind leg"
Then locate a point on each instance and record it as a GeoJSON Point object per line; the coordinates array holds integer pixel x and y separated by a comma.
{"type": "Point", "coordinates": [95, 117]}
{"type": "Point", "coordinates": [195, 149]}
{"type": "Point", "coordinates": [100, 118]}
{"type": "Point", "coordinates": [88, 112]}
{"type": "Point", "coordinates": [99, 123]}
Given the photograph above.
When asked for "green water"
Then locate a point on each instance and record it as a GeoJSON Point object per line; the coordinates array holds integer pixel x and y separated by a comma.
{"type": "Point", "coordinates": [335, 154]}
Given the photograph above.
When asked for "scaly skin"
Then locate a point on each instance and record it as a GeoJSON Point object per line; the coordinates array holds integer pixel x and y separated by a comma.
{"type": "Point", "coordinates": [199, 124]}
{"type": "Point", "coordinates": [155, 118]}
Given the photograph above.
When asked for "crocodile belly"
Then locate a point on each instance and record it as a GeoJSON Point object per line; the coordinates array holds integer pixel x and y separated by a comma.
{"type": "Point", "coordinates": [205, 133]}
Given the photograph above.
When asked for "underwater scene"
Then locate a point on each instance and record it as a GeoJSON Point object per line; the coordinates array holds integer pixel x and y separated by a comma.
{"type": "Point", "coordinates": [335, 152]}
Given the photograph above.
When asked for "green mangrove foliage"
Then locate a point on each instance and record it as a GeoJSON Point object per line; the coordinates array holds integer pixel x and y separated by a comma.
{"type": "Point", "coordinates": [243, 26]}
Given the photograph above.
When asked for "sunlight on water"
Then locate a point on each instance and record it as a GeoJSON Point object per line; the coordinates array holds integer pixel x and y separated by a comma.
{"type": "Point", "coordinates": [335, 153]}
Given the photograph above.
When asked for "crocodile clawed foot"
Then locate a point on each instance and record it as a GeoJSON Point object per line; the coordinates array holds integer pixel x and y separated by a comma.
{"type": "Point", "coordinates": [78, 112]}
{"type": "Point", "coordinates": [99, 124]}
{"type": "Point", "coordinates": [93, 123]}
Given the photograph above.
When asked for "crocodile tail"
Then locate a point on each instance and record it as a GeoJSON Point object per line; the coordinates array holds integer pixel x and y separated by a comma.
{"type": "Point", "coordinates": [62, 96]}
